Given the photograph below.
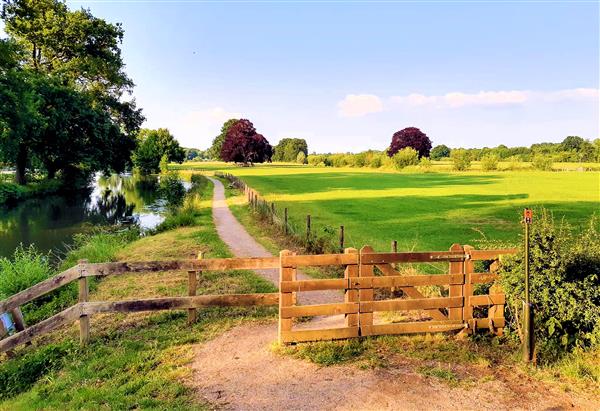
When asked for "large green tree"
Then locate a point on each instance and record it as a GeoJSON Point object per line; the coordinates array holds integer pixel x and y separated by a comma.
{"type": "Point", "coordinates": [152, 146]}
{"type": "Point", "coordinates": [214, 152]}
{"type": "Point", "coordinates": [72, 49]}
{"type": "Point", "coordinates": [288, 149]}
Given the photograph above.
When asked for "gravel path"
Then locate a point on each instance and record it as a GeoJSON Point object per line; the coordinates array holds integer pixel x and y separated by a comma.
{"type": "Point", "coordinates": [242, 244]}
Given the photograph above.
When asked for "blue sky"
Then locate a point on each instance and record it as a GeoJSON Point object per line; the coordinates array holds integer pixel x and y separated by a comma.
{"type": "Point", "coordinates": [346, 76]}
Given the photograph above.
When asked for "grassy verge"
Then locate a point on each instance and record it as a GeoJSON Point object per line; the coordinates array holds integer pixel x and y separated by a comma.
{"type": "Point", "coordinates": [134, 360]}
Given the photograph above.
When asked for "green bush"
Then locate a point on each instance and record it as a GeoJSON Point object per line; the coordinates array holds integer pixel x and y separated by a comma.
{"type": "Point", "coordinates": [489, 162]}
{"type": "Point", "coordinates": [98, 247]}
{"type": "Point", "coordinates": [27, 267]}
{"type": "Point", "coordinates": [425, 164]}
{"type": "Point", "coordinates": [542, 162]}
{"type": "Point", "coordinates": [172, 189]}
{"type": "Point", "coordinates": [564, 285]}
{"type": "Point", "coordinates": [408, 156]}
{"type": "Point", "coordinates": [11, 193]}
{"type": "Point", "coordinates": [461, 159]}
{"type": "Point", "coordinates": [375, 162]}
{"type": "Point", "coordinates": [301, 158]}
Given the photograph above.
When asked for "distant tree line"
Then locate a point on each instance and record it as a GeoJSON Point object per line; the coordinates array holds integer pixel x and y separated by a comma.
{"type": "Point", "coordinates": [63, 89]}
{"type": "Point", "coordinates": [411, 147]}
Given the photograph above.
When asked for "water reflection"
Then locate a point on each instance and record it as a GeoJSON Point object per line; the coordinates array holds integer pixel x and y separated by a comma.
{"type": "Point", "coordinates": [51, 222]}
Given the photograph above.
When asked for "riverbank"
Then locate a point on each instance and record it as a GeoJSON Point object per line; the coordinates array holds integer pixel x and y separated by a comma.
{"type": "Point", "coordinates": [12, 193]}
{"type": "Point", "coordinates": [136, 360]}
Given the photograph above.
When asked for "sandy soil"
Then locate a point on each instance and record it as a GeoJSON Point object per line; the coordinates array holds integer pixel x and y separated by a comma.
{"type": "Point", "coordinates": [238, 370]}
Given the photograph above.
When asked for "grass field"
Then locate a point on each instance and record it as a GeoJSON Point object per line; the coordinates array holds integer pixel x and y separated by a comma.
{"type": "Point", "coordinates": [421, 210]}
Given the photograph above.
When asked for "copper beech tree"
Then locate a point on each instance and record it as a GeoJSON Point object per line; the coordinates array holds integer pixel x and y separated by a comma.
{"type": "Point", "coordinates": [244, 145]}
{"type": "Point", "coordinates": [410, 137]}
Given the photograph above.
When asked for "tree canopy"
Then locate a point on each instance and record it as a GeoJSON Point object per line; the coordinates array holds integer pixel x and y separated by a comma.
{"type": "Point", "coordinates": [62, 85]}
{"type": "Point", "coordinates": [410, 137]}
{"type": "Point", "coordinates": [152, 146]}
{"type": "Point", "coordinates": [439, 152]}
{"type": "Point", "coordinates": [214, 151]}
{"type": "Point", "coordinates": [288, 149]}
{"type": "Point", "coordinates": [244, 145]}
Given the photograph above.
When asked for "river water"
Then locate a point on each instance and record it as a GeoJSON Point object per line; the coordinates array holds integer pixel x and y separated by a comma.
{"type": "Point", "coordinates": [50, 222]}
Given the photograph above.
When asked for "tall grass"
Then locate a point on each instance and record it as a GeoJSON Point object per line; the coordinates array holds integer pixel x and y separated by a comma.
{"type": "Point", "coordinates": [27, 267]}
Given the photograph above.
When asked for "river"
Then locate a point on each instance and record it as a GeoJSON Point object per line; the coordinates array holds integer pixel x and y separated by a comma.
{"type": "Point", "coordinates": [51, 222]}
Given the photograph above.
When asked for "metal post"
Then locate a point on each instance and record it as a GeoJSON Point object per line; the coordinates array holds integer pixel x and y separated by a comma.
{"type": "Point", "coordinates": [528, 321]}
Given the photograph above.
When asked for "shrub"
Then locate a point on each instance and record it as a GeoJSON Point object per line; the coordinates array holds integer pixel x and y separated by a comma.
{"type": "Point", "coordinates": [406, 157]}
{"type": "Point", "coordinates": [172, 189]}
{"type": "Point", "coordinates": [461, 159]}
{"type": "Point", "coordinates": [489, 162]}
{"type": "Point", "coordinates": [97, 247]}
{"type": "Point", "coordinates": [11, 193]}
{"type": "Point", "coordinates": [542, 162]}
{"type": "Point", "coordinates": [27, 267]}
{"type": "Point", "coordinates": [376, 162]}
{"type": "Point", "coordinates": [301, 158]}
{"type": "Point", "coordinates": [425, 164]}
{"type": "Point", "coordinates": [564, 285]}
{"type": "Point", "coordinates": [514, 163]}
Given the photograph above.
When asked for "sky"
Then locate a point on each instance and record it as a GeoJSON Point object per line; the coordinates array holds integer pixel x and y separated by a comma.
{"type": "Point", "coordinates": [347, 75]}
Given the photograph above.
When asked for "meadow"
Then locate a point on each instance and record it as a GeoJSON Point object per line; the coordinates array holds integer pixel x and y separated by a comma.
{"type": "Point", "coordinates": [422, 211]}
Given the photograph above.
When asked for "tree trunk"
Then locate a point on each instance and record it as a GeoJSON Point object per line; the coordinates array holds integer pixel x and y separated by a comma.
{"type": "Point", "coordinates": [21, 165]}
{"type": "Point", "coordinates": [51, 171]}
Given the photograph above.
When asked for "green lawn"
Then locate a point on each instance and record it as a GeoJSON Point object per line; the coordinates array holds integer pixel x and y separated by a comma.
{"type": "Point", "coordinates": [423, 211]}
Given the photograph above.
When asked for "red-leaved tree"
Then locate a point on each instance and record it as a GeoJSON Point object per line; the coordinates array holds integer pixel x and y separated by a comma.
{"type": "Point", "coordinates": [410, 137]}
{"type": "Point", "coordinates": [244, 145]}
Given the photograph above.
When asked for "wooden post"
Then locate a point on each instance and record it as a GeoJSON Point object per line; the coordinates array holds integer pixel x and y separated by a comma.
{"type": "Point", "coordinates": [456, 290]}
{"type": "Point", "coordinates": [272, 212]}
{"type": "Point", "coordinates": [192, 286]}
{"type": "Point", "coordinates": [308, 229]}
{"type": "Point", "coordinates": [84, 320]}
{"type": "Point", "coordinates": [341, 238]}
{"type": "Point", "coordinates": [17, 317]}
{"type": "Point", "coordinates": [285, 299]}
{"type": "Point", "coordinates": [285, 220]}
{"type": "Point", "coordinates": [468, 287]}
{"type": "Point", "coordinates": [365, 295]}
{"type": "Point", "coordinates": [351, 295]}
{"type": "Point", "coordinates": [395, 266]}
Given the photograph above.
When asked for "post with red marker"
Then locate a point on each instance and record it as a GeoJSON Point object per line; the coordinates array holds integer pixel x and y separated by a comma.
{"type": "Point", "coordinates": [528, 334]}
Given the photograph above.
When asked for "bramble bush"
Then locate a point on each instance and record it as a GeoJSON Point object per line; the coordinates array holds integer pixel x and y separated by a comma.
{"type": "Point", "coordinates": [564, 285]}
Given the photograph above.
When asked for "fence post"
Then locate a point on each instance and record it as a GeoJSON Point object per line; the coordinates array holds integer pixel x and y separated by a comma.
{"type": "Point", "coordinates": [394, 265]}
{"type": "Point", "coordinates": [18, 319]}
{"type": "Point", "coordinates": [468, 289]}
{"type": "Point", "coordinates": [307, 229]}
{"type": "Point", "coordinates": [272, 212]}
{"type": "Point", "coordinates": [84, 320]}
{"type": "Point", "coordinates": [285, 299]}
{"type": "Point", "coordinates": [456, 290]}
{"type": "Point", "coordinates": [351, 294]}
{"type": "Point", "coordinates": [285, 220]}
{"type": "Point", "coordinates": [192, 286]}
{"type": "Point", "coordinates": [341, 239]}
{"type": "Point", "coordinates": [365, 295]}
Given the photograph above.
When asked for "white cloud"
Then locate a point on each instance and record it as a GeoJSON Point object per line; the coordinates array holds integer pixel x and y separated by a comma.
{"type": "Point", "coordinates": [495, 98]}
{"type": "Point", "coordinates": [357, 105]}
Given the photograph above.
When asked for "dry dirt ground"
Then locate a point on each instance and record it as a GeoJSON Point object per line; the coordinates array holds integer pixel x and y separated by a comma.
{"type": "Point", "coordinates": [239, 370]}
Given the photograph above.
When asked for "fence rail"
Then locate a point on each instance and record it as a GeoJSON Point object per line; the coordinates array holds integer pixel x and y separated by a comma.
{"type": "Point", "coordinates": [451, 312]}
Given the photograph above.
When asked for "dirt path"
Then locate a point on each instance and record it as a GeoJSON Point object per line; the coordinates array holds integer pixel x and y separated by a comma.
{"type": "Point", "coordinates": [238, 370]}
{"type": "Point", "coordinates": [242, 244]}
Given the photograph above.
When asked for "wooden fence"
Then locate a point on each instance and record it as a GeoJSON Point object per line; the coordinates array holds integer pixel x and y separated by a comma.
{"type": "Point", "coordinates": [454, 312]}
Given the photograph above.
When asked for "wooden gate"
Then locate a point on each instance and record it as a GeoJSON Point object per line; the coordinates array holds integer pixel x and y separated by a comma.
{"type": "Point", "coordinates": [367, 271]}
